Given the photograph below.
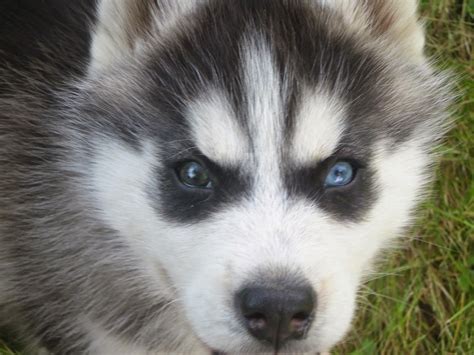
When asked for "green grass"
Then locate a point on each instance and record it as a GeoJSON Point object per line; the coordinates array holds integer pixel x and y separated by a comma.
{"type": "Point", "coordinates": [5, 350]}
{"type": "Point", "coordinates": [423, 303]}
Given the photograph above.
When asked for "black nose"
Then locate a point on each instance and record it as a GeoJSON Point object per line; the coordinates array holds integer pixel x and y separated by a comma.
{"type": "Point", "coordinates": [277, 314]}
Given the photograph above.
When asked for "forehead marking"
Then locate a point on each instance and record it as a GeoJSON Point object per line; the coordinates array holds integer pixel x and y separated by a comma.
{"type": "Point", "coordinates": [264, 91]}
{"type": "Point", "coordinates": [319, 127]}
{"type": "Point", "coordinates": [215, 129]}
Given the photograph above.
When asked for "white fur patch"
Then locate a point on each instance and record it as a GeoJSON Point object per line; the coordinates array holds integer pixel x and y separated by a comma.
{"type": "Point", "coordinates": [216, 131]}
{"type": "Point", "coordinates": [264, 92]}
{"type": "Point", "coordinates": [402, 176]}
{"type": "Point", "coordinates": [121, 178]}
{"type": "Point", "coordinates": [319, 127]}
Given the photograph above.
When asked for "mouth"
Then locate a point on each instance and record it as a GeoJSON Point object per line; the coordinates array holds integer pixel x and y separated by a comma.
{"type": "Point", "coordinates": [215, 352]}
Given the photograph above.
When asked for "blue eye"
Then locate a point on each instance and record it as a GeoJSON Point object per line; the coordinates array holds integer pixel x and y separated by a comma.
{"type": "Point", "coordinates": [193, 174]}
{"type": "Point", "coordinates": [341, 174]}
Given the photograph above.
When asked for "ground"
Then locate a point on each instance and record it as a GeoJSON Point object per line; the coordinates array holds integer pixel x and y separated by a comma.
{"type": "Point", "coordinates": [423, 302]}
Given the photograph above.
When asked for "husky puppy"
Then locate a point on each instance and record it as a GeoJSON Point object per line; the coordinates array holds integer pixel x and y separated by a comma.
{"type": "Point", "coordinates": [208, 176]}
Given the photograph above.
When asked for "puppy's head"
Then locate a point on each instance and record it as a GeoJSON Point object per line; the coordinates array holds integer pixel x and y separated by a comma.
{"type": "Point", "coordinates": [258, 154]}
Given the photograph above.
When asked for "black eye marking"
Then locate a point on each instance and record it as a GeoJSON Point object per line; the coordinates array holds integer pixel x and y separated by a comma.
{"type": "Point", "coordinates": [341, 185]}
{"type": "Point", "coordinates": [192, 188]}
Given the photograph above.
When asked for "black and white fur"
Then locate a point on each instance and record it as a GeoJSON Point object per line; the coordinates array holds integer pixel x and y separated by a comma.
{"type": "Point", "coordinates": [102, 251]}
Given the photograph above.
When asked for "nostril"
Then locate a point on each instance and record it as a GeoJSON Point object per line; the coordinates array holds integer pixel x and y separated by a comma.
{"type": "Point", "coordinates": [299, 323]}
{"type": "Point", "coordinates": [301, 316]}
{"type": "Point", "coordinates": [256, 321]}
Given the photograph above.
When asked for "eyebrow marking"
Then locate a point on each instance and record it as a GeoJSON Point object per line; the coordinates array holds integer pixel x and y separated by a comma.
{"type": "Point", "coordinates": [216, 131]}
{"type": "Point", "coordinates": [319, 126]}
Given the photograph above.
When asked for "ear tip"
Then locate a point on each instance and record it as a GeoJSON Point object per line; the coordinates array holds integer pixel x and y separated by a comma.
{"type": "Point", "coordinates": [119, 27]}
{"type": "Point", "coordinates": [403, 29]}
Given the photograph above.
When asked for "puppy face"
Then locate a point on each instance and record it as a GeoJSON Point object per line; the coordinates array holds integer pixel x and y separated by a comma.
{"type": "Point", "coordinates": [257, 161]}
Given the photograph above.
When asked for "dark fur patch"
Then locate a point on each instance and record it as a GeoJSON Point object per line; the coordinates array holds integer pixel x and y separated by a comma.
{"type": "Point", "coordinates": [50, 37]}
{"type": "Point", "coordinates": [187, 205]}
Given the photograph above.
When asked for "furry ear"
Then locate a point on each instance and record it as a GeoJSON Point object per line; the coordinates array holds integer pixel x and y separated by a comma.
{"type": "Point", "coordinates": [124, 25]}
{"type": "Point", "coordinates": [121, 25]}
{"type": "Point", "coordinates": [395, 21]}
